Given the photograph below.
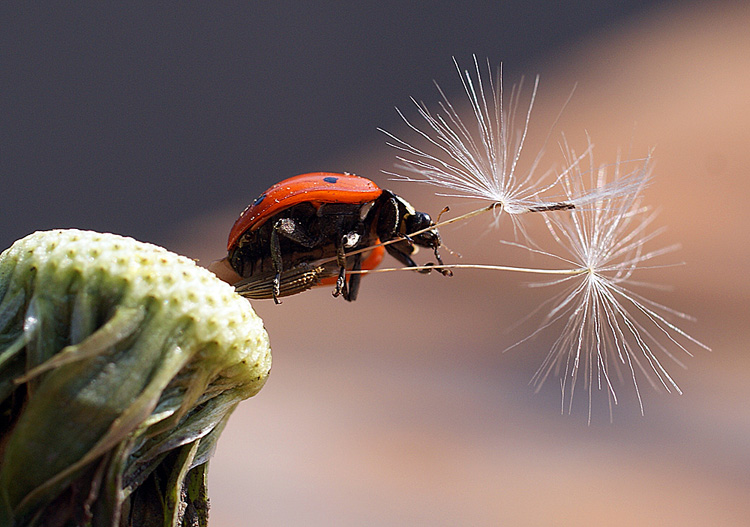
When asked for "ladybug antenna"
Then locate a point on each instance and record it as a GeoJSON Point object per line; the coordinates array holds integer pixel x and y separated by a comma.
{"type": "Point", "coordinates": [445, 209]}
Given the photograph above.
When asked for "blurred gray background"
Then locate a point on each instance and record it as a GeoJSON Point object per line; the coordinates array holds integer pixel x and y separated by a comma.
{"type": "Point", "coordinates": [132, 119]}
{"type": "Point", "coordinates": [402, 409]}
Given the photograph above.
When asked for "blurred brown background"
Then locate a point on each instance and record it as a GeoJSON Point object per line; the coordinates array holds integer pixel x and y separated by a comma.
{"type": "Point", "coordinates": [401, 409]}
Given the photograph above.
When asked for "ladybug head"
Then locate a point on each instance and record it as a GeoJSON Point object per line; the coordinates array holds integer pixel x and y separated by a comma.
{"type": "Point", "coordinates": [398, 219]}
{"type": "Point", "coordinates": [415, 221]}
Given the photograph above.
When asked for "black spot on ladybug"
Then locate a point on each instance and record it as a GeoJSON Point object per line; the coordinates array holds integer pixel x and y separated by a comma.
{"type": "Point", "coordinates": [330, 179]}
{"type": "Point", "coordinates": [258, 200]}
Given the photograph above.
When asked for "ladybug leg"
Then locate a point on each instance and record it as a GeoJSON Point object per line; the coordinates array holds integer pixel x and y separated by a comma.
{"type": "Point", "coordinates": [402, 251]}
{"type": "Point", "coordinates": [288, 228]}
{"type": "Point", "coordinates": [347, 241]}
{"type": "Point", "coordinates": [444, 272]}
{"type": "Point", "coordinates": [341, 280]}
{"type": "Point", "coordinates": [354, 279]}
{"type": "Point", "coordinates": [350, 290]}
{"type": "Point", "coordinates": [277, 264]}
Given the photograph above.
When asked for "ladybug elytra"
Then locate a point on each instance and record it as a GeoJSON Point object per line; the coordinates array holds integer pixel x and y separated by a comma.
{"type": "Point", "coordinates": [297, 235]}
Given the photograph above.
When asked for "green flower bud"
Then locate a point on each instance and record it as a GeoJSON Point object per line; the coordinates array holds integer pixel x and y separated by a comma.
{"type": "Point", "coordinates": [120, 363]}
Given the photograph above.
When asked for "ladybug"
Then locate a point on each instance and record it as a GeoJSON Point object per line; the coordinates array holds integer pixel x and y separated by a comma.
{"type": "Point", "coordinates": [299, 233]}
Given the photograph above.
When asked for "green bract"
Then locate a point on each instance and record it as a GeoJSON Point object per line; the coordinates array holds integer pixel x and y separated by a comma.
{"type": "Point", "coordinates": [120, 363]}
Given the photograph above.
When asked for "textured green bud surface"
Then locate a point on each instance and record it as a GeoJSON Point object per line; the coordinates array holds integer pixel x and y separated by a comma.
{"type": "Point", "coordinates": [119, 364]}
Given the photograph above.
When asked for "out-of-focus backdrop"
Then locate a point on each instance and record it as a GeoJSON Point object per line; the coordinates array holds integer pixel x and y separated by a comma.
{"type": "Point", "coordinates": [401, 409]}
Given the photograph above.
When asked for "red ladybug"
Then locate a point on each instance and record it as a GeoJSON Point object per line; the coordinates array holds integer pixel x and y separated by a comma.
{"type": "Point", "coordinates": [297, 233]}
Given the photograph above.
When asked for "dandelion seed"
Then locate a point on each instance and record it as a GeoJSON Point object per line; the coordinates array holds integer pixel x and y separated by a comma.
{"type": "Point", "coordinates": [609, 330]}
{"type": "Point", "coordinates": [480, 158]}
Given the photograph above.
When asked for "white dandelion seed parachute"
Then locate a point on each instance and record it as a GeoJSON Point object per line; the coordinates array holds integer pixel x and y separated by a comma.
{"type": "Point", "coordinates": [602, 229]}
{"type": "Point", "coordinates": [479, 157]}
{"type": "Point", "coordinates": [608, 328]}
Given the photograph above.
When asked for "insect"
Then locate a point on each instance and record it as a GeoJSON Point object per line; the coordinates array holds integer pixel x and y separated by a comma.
{"type": "Point", "coordinates": [298, 233]}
